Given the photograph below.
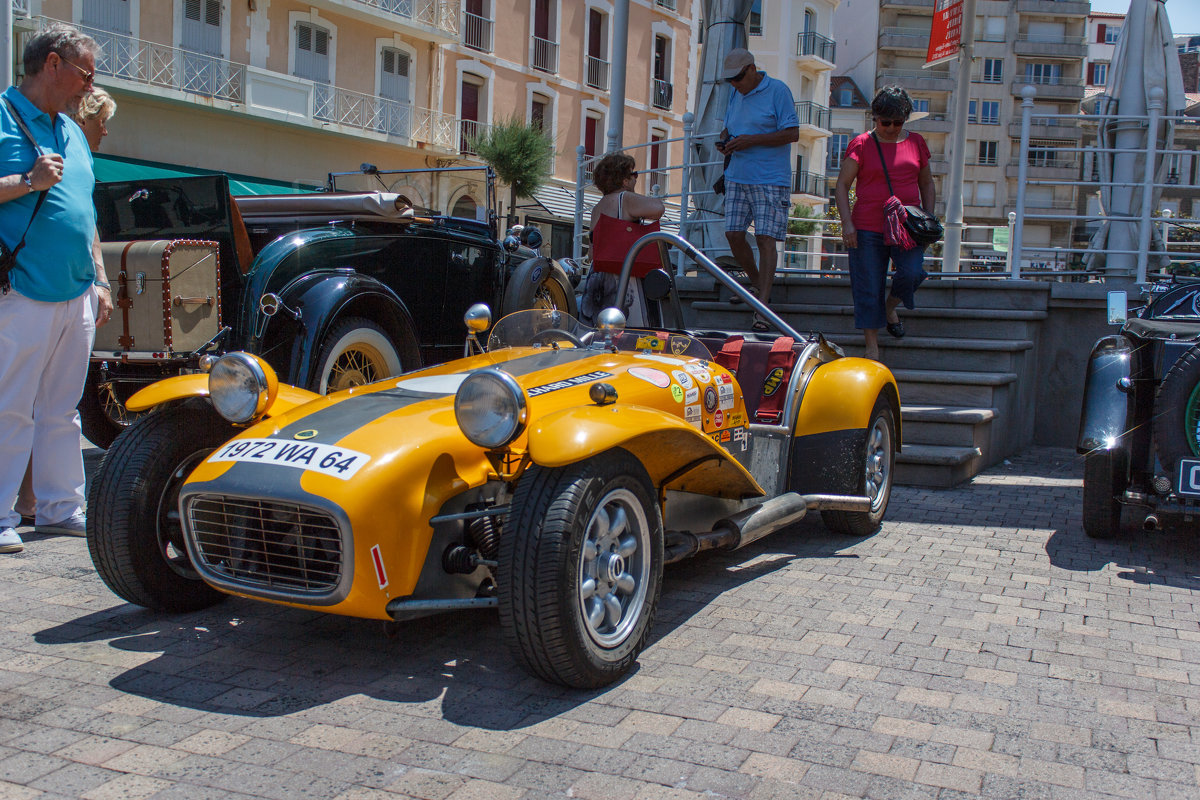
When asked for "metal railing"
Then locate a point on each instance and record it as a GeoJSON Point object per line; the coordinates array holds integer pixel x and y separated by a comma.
{"type": "Point", "coordinates": [545, 55]}
{"type": "Point", "coordinates": [21, 8]}
{"type": "Point", "coordinates": [380, 114]}
{"type": "Point", "coordinates": [814, 44]}
{"type": "Point", "coordinates": [810, 113]}
{"type": "Point", "coordinates": [810, 183]}
{"type": "Point", "coordinates": [477, 32]}
{"type": "Point", "coordinates": [439, 14]}
{"type": "Point", "coordinates": [667, 4]}
{"type": "Point", "coordinates": [597, 73]}
{"type": "Point", "coordinates": [468, 130]}
{"type": "Point", "coordinates": [664, 92]}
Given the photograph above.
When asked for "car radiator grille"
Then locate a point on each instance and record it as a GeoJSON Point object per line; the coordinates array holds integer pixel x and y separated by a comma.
{"type": "Point", "coordinates": [283, 547]}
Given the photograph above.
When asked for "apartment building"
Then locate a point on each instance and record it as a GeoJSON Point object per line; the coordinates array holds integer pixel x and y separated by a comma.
{"type": "Point", "coordinates": [1017, 44]}
{"type": "Point", "coordinates": [289, 91]}
{"type": "Point", "coordinates": [793, 41]}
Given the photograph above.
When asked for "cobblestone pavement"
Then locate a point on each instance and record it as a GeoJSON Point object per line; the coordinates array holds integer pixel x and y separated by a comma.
{"type": "Point", "coordinates": [979, 645]}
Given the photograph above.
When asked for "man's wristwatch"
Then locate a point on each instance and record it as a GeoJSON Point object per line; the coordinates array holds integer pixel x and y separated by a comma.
{"type": "Point", "coordinates": [27, 179]}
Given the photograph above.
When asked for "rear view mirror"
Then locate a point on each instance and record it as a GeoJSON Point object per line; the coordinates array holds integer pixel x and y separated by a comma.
{"type": "Point", "coordinates": [1118, 308]}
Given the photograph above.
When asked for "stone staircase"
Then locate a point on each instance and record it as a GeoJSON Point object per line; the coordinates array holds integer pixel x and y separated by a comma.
{"type": "Point", "coordinates": [967, 369]}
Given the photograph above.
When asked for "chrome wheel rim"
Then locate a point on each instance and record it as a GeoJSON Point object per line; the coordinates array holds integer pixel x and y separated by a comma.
{"type": "Point", "coordinates": [549, 296]}
{"type": "Point", "coordinates": [614, 568]}
{"type": "Point", "coordinates": [879, 467]}
{"type": "Point", "coordinates": [358, 365]}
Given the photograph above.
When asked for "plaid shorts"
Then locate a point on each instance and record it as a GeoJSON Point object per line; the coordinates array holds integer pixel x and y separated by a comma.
{"type": "Point", "coordinates": [768, 206]}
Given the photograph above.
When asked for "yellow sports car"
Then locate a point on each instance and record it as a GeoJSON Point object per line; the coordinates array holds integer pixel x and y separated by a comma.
{"type": "Point", "coordinates": [551, 475]}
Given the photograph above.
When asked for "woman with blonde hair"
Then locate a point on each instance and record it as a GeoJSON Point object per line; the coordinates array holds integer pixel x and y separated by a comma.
{"type": "Point", "coordinates": [95, 110]}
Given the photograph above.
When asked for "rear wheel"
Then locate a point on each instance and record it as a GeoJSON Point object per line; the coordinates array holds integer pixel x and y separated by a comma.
{"type": "Point", "coordinates": [134, 530]}
{"type": "Point", "coordinates": [102, 411]}
{"type": "Point", "coordinates": [879, 465]}
{"type": "Point", "coordinates": [1104, 478]}
{"type": "Point", "coordinates": [355, 352]}
{"type": "Point", "coordinates": [580, 569]}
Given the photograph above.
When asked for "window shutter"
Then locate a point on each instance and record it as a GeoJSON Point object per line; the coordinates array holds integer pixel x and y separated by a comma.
{"type": "Point", "coordinates": [191, 9]}
{"type": "Point", "coordinates": [304, 38]}
{"type": "Point", "coordinates": [1091, 76]}
{"type": "Point", "coordinates": [1100, 33]}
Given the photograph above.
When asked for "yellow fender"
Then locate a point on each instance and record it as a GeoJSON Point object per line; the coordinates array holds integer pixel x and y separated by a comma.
{"type": "Point", "coordinates": [182, 387]}
{"type": "Point", "coordinates": [841, 395]}
{"type": "Point", "coordinates": [665, 444]}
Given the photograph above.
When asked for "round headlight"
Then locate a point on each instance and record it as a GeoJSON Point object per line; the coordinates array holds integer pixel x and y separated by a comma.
{"type": "Point", "coordinates": [490, 408]}
{"type": "Point", "coordinates": [241, 386]}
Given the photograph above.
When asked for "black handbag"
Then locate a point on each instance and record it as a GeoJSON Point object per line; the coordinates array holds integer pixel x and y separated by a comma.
{"type": "Point", "coordinates": [923, 227]}
{"type": "Point", "coordinates": [8, 256]}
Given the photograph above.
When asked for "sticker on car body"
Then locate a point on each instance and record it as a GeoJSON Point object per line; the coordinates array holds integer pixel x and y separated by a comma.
{"type": "Point", "coordinates": [650, 375]}
{"type": "Point", "coordinates": [337, 462]}
{"type": "Point", "coordinates": [578, 380]}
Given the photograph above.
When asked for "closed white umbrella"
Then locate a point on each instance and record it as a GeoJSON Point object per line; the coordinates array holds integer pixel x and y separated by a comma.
{"type": "Point", "coordinates": [1145, 66]}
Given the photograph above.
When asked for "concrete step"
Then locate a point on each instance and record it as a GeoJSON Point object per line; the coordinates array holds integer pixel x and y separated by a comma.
{"type": "Point", "coordinates": [953, 388]}
{"type": "Point", "coordinates": [967, 355]}
{"type": "Point", "coordinates": [936, 465]}
{"type": "Point", "coordinates": [950, 426]}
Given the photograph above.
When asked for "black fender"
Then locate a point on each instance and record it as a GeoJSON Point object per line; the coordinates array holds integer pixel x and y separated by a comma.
{"type": "Point", "coordinates": [527, 276]}
{"type": "Point", "coordinates": [1106, 400]}
{"type": "Point", "coordinates": [323, 298]}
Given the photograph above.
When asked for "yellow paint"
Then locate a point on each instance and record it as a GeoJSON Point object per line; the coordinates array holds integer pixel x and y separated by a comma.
{"type": "Point", "coordinates": [841, 395]}
{"type": "Point", "coordinates": [181, 387]}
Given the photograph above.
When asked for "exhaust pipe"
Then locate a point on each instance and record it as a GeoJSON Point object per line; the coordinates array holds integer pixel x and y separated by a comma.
{"type": "Point", "coordinates": [1150, 523]}
{"type": "Point", "coordinates": [754, 523]}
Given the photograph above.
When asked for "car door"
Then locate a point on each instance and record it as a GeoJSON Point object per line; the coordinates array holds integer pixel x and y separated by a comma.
{"type": "Point", "coordinates": [470, 278]}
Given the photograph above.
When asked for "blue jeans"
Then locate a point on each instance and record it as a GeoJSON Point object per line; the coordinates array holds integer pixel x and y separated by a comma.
{"type": "Point", "coordinates": [868, 277]}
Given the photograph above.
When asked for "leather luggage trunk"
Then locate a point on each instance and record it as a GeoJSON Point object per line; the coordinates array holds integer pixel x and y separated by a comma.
{"type": "Point", "coordinates": [167, 299]}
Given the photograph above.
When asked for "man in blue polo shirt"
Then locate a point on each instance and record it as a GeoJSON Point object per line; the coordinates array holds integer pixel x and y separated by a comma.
{"type": "Point", "coordinates": [59, 292]}
{"type": "Point", "coordinates": [760, 126]}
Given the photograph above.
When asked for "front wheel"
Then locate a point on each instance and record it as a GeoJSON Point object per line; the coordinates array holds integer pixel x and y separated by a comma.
{"type": "Point", "coordinates": [355, 352]}
{"type": "Point", "coordinates": [879, 467]}
{"type": "Point", "coordinates": [1103, 480]}
{"type": "Point", "coordinates": [580, 569]}
{"type": "Point", "coordinates": [134, 531]}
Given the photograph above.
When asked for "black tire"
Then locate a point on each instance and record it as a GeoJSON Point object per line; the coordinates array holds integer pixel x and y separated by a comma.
{"type": "Point", "coordinates": [540, 283]}
{"type": "Point", "coordinates": [1104, 479]}
{"type": "Point", "coordinates": [133, 527]}
{"type": "Point", "coordinates": [561, 564]}
{"type": "Point", "coordinates": [356, 351]}
{"type": "Point", "coordinates": [879, 469]}
{"type": "Point", "coordinates": [1177, 413]}
{"type": "Point", "coordinates": [96, 425]}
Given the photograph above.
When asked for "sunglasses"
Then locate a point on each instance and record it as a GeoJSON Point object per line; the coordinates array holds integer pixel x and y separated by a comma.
{"type": "Point", "coordinates": [88, 77]}
{"type": "Point", "coordinates": [889, 123]}
{"type": "Point", "coordinates": [739, 76]}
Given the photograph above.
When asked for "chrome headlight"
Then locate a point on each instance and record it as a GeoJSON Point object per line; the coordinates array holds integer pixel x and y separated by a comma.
{"type": "Point", "coordinates": [490, 408]}
{"type": "Point", "coordinates": [241, 386]}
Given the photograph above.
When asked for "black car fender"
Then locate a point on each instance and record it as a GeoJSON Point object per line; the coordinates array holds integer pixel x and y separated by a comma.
{"type": "Point", "coordinates": [1106, 399]}
{"type": "Point", "coordinates": [528, 276]}
{"type": "Point", "coordinates": [321, 300]}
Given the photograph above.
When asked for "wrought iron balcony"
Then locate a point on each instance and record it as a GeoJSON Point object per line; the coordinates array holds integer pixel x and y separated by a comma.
{"type": "Point", "coordinates": [468, 130]}
{"type": "Point", "coordinates": [814, 45]}
{"type": "Point", "coordinates": [597, 73]}
{"type": "Point", "coordinates": [477, 32]}
{"type": "Point", "coordinates": [667, 4]}
{"type": "Point", "coordinates": [814, 114]}
{"type": "Point", "coordinates": [21, 8]}
{"type": "Point", "coordinates": [372, 113]}
{"type": "Point", "coordinates": [810, 183]}
{"type": "Point", "coordinates": [545, 55]}
{"type": "Point", "coordinates": [663, 94]}
{"type": "Point", "coordinates": [441, 15]}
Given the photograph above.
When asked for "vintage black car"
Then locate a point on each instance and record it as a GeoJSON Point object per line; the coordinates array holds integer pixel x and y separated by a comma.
{"type": "Point", "coordinates": [1140, 427]}
{"type": "Point", "coordinates": [333, 289]}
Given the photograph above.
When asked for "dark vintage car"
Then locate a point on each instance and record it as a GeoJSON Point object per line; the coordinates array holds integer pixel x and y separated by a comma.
{"type": "Point", "coordinates": [333, 289]}
{"type": "Point", "coordinates": [1140, 427]}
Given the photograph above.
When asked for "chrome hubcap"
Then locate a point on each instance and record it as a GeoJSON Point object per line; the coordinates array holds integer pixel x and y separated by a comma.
{"type": "Point", "coordinates": [878, 470]}
{"type": "Point", "coordinates": [614, 566]}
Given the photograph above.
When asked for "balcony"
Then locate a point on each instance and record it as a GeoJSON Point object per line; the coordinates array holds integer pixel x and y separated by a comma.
{"type": "Point", "coordinates": [669, 5]}
{"type": "Point", "coordinates": [21, 8]}
{"type": "Point", "coordinates": [430, 20]}
{"type": "Point", "coordinates": [1046, 128]}
{"type": "Point", "coordinates": [934, 123]}
{"type": "Point", "coordinates": [815, 50]}
{"type": "Point", "coordinates": [477, 32]}
{"type": "Point", "coordinates": [1054, 8]}
{"type": "Point", "coordinates": [597, 73]}
{"type": "Point", "coordinates": [904, 39]}
{"type": "Point", "coordinates": [545, 55]}
{"type": "Point", "coordinates": [939, 166]}
{"type": "Point", "coordinates": [1044, 168]}
{"type": "Point", "coordinates": [663, 94]}
{"type": "Point", "coordinates": [809, 183]}
{"type": "Point", "coordinates": [1072, 47]}
{"type": "Point", "coordinates": [919, 80]}
{"type": "Point", "coordinates": [657, 183]}
{"type": "Point", "coordinates": [1068, 89]}
{"type": "Point", "coordinates": [469, 129]}
{"type": "Point", "coordinates": [814, 118]}
{"type": "Point", "coordinates": [379, 114]}
{"type": "Point", "coordinates": [897, 4]}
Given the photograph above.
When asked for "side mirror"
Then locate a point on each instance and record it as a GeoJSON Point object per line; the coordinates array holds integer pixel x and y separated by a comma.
{"type": "Point", "coordinates": [1118, 308]}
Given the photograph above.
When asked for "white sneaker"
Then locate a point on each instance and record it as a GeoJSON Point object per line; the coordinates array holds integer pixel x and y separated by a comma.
{"type": "Point", "coordinates": [74, 525]}
{"type": "Point", "coordinates": [10, 542]}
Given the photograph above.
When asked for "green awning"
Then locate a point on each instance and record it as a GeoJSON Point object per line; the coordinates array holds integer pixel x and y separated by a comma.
{"type": "Point", "coordinates": [119, 168]}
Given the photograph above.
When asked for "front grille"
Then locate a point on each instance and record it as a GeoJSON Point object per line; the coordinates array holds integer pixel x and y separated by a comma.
{"type": "Point", "coordinates": [282, 548]}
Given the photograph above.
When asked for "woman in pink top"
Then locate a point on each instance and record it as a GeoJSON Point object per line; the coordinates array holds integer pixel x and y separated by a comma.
{"type": "Point", "coordinates": [907, 159]}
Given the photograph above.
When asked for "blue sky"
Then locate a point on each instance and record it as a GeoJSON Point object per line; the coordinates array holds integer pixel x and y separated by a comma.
{"type": "Point", "coordinates": [1184, 14]}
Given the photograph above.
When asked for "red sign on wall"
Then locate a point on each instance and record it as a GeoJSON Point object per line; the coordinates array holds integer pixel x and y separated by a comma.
{"type": "Point", "coordinates": [946, 33]}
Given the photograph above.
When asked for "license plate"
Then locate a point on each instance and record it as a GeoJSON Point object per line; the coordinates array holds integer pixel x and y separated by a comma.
{"type": "Point", "coordinates": [337, 462]}
{"type": "Point", "coordinates": [1189, 477]}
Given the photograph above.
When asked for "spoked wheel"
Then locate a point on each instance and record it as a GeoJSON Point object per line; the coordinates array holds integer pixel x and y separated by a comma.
{"type": "Point", "coordinates": [102, 411]}
{"type": "Point", "coordinates": [879, 466]}
{"type": "Point", "coordinates": [581, 569]}
{"type": "Point", "coordinates": [551, 295]}
{"type": "Point", "coordinates": [355, 352]}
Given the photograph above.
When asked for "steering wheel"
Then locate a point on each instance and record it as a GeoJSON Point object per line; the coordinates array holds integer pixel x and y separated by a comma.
{"type": "Point", "coordinates": [554, 334]}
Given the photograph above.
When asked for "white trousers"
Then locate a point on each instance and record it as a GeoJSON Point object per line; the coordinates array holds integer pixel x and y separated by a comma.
{"type": "Point", "coordinates": [44, 349]}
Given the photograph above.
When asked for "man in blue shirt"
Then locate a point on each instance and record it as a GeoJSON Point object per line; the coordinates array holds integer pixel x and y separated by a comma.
{"type": "Point", "coordinates": [59, 292]}
{"type": "Point", "coordinates": [760, 126]}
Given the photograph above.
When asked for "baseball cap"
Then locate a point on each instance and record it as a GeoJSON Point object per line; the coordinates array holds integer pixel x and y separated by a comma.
{"type": "Point", "coordinates": [738, 59]}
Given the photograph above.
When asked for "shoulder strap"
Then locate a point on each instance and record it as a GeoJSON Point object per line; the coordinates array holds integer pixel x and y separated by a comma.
{"type": "Point", "coordinates": [41, 195]}
{"type": "Point", "coordinates": [883, 162]}
{"type": "Point", "coordinates": [620, 211]}
{"type": "Point", "coordinates": [24, 128]}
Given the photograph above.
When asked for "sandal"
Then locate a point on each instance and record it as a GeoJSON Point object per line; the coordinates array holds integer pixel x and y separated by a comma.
{"type": "Point", "coordinates": [896, 329]}
{"type": "Point", "coordinates": [760, 325]}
